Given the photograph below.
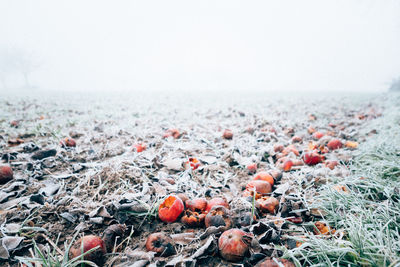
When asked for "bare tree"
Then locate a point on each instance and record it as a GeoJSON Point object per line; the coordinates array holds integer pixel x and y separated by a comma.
{"type": "Point", "coordinates": [395, 86]}
{"type": "Point", "coordinates": [15, 61]}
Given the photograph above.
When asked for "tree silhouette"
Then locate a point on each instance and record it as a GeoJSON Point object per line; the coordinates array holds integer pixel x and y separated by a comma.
{"type": "Point", "coordinates": [16, 62]}
{"type": "Point", "coordinates": [395, 86]}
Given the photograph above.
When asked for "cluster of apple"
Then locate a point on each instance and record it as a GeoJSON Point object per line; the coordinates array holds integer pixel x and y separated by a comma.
{"type": "Point", "coordinates": [313, 154]}
{"type": "Point", "coordinates": [233, 243]}
{"type": "Point", "coordinates": [260, 188]}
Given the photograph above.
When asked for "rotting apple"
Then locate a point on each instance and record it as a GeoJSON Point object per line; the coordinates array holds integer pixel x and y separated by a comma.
{"type": "Point", "coordinates": [312, 158]}
{"type": "Point", "coordinates": [197, 204]}
{"type": "Point", "coordinates": [245, 219]}
{"type": "Point", "coordinates": [311, 130]}
{"type": "Point", "coordinates": [234, 244]}
{"type": "Point", "coordinates": [331, 164]}
{"type": "Point", "coordinates": [341, 188]}
{"type": "Point", "coordinates": [278, 148]}
{"type": "Point", "coordinates": [268, 204]}
{"type": "Point", "coordinates": [264, 176]}
{"type": "Point", "coordinates": [276, 174]}
{"type": "Point", "coordinates": [287, 165]}
{"type": "Point", "coordinates": [6, 174]}
{"type": "Point", "coordinates": [68, 142]}
{"type": "Point", "coordinates": [297, 139]}
{"type": "Point", "coordinates": [323, 228]}
{"type": "Point", "coordinates": [172, 132]}
{"type": "Point", "coordinates": [274, 262]}
{"type": "Point", "coordinates": [252, 168]}
{"type": "Point", "coordinates": [170, 209]}
{"type": "Point", "coordinates": [219, 216]}
{"type": "Point", "coordinates": [139, 147]}
{"type": "Point", "coordinates": [295, 219]}
{"type": "Point", "coordinates": [193, 218]}
{"type": "Point", "coordinates": [192, 163]}
{"type": "Point", "coordinates": [160, 243]}
{"type": "Point", "coordinates": [260, 186]}
{"type": "Point", "coordinates": [14, 124]}
{"type": "Point", "coordinates": [334, 144]}
{"type": "Point", "coordinates": [87, 243]}
{"type": "Point", "coordinates": [290, 149]}
{"type": "Point", "coordinates": [228, 134]}
{"type": "Point", "coordinates": [317, 135]}
{"type": "Point", "coordinates": [351, 144]}
{"type": "Point", "coordinates": [217, 201]}
{"type": "Point", "coordinates": [111, 234]}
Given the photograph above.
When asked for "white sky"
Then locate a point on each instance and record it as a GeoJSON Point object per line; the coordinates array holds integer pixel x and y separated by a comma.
{"type": "Point", "coordinates": [214, 45]}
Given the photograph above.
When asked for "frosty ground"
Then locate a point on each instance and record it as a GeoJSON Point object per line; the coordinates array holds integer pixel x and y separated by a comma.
{"type": "Point", "coordinates": [104, 181]}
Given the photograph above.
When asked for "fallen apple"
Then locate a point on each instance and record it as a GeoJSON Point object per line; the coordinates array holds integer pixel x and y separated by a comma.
{"type": "Point", "coordinates": [317, 135]}
{"type": "Point", "coordinates": [68, 142]}
{"type": "Point", "coordinates": [217, 201]}
{"type": "Point", "coordinates": [172, 132]}
{"type": "Point", "coordinates": [218, 216]}
{"type": "Point", "coordinates": [87, 243]}
{"type": "Point", "coordinates": [197, 204]}
{"type": "Point", "coordinates": [264, 176]}
{"type": "Point", "coordinates": [234, 244]}
{"type": "Point", "coordinates": [312, 158]}
{"type": "Point", "coordinates": [276, 263]}
{"type": "Point", "coordinates": [6, 174]}
{"type": "Point", "coordinates": [171, 208]}
{"type": "Point", "coordinates": [261, 187]}
{"type": "Point", "coordinates": [228, 134]}
{"type": "Point", "coordinates": [192, 163]}
{"type": "Point", "coordinates": [161, 244]}
{"type": "Point", "coordinates": [139, 147]}
{"type": "Point", "coordinates": [193, 218]}
{"type": "Point", "coordinates": [334, 144]}
{"type": "Point", "coordinates": [268, 204]}
{"type": "Point", "coordinates": [287, 165]}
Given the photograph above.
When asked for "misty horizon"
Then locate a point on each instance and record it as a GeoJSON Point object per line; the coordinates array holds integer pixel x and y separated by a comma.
{"type": "Point", "coordinates": [208, 46]}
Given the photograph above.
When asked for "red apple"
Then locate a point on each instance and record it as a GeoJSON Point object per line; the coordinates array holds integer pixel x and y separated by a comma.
{"type": "Point", "coordinates": [312, 158]}
{"type": "Point", "coordinates": [335, 144]}
{"type": "Point", "coordinates": [287, 165]}
{"type": "Point", "coordinates": [252, 168]}
{"type": "Point", "coordinates": [87, 243]}
{"type": "Point", "coordinates": [139, 147]}
{"type": "Point", "coordinates": [197, 204]}
{"type": "Point", "coordinates": [161, 244]}
{"type": "Point", "coordinates": [170, 209]}
{"type": "Point", "coordinates": [192, 163]}
{"type": "Point", "coordinates": [261, 187]}
{"type": "Point", "coordinates": [6, 174]}
{"type": "Point", "coordinates": [318, 135]}
{"type": "Point", "coordinates": [228, 134]}
{"type": "Point", "coordinates": [234, 244]}
{"type": "Point", "coordinates": [68, 142]}
{"type": "Point", "coordinates": [217, 201]}
{"type": "Point", "coordinates": [264, 176]}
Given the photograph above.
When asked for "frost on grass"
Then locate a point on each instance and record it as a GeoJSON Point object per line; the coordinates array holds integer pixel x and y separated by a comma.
{"type": "Point", "coordinates": [105, 181]}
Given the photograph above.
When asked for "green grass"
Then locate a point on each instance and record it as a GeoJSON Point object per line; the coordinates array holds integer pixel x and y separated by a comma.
{"type": "Point", "coordinates": [368, 217]}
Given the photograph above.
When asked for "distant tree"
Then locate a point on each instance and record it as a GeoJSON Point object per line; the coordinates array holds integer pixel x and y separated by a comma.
{"type": "Point", "coordinates": [395, 86]}
{"type": "Point", "coordinates": [15, 61]}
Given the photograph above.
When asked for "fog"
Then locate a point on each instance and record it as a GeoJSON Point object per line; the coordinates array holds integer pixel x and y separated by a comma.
{"type": "Point", "coordinates": [199, 46]}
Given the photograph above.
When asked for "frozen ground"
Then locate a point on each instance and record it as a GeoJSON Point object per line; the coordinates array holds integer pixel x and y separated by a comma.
{"type": "Point", "coordinates": [104, 181]}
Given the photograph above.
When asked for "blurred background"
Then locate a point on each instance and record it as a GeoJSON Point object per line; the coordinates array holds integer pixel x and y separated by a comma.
{"type": "Point", "coordinates": [196, 46]}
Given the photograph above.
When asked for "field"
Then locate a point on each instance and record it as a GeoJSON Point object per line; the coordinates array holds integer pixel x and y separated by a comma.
{"type": "Point", "coordinates": [340, 209]}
